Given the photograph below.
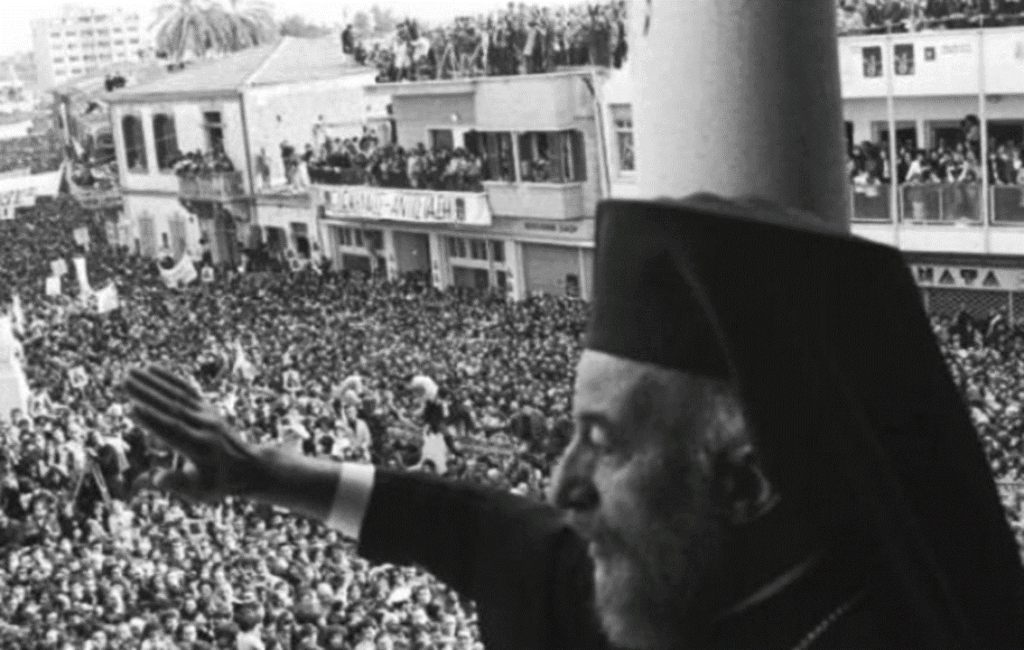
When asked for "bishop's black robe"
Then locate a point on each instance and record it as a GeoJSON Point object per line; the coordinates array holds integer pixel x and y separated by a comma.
{"type": "Point", "coordinates": [531, 577]}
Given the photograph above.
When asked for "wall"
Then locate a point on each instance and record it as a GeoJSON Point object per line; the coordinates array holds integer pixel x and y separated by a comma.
{"type": "Point", "coordinates": [945, 62]}
{"type": "Point", "coordinates": [162, 209]}
{"type": "Point", "coordinates": [290, 111]}
{"type": "Point", "coordinates": [282, 216]}
{"type": "Point", "coordinates": [188, 123]}
{"type": "Point", "coordinates": [415, 115]}
{"type": "Point", "coordinates": [538, 102]}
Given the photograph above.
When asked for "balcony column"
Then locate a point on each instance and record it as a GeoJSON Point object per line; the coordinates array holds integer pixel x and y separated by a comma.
{"type": "Point", "coordinates": [437, 259]}
{"type": "Point", "coordinates": [740, 97]}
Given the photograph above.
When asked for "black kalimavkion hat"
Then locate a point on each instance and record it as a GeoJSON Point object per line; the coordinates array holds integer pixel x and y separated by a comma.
{"type": "Point", "coordinates": [851, 405]}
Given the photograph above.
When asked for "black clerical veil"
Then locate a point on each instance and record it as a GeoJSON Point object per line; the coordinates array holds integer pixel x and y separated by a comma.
{"type": "Point", "coordinates": [849, 400]}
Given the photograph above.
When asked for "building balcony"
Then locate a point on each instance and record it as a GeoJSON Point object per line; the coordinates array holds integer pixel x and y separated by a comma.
{"type": "Point", "coordinates": [99, 196]}
{"type": "Point", "coordinates": [942, 217]}
{"type": "Point", "coordinates": [556, 201]}
{"type": "Point", "coordinates": [212, 186]}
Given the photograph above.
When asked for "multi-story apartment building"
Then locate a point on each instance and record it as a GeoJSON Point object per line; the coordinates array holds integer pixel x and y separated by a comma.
{"type": "Point", "coordinates": [953, 98]}
{"type": "Point", "coordinates": [239, 108]}
{"type": "Point", "coordinates": [527, 228]}
{"type": "Point", "coordinates": [83, 40]}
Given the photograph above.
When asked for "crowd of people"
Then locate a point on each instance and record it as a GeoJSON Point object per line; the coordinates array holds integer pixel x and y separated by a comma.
{"type": "Point", "coordinates": [947, 162]}
{"type": "Point", "coordinates": [365, 161]}
{"type": "Point", "coordinates": [320, 362]}
{"type": "Point", "coordinates": [198, 163]}
{"type": "Point", "coordinates": [880, 16]}
{"type": "Point", "coordinates": [36, 153]}
{"type": "Point", "coordinates": [520, 39]}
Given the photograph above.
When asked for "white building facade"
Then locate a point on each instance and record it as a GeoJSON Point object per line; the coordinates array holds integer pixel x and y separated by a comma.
{"type": "Point", "coordinates": [84, 39]}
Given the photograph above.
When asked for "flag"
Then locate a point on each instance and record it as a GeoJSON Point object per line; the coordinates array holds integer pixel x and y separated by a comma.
{"type": "Point", "coordinates": [83, 276]}
{"type": "Point", "coordinates": [435, 451]}
{"type": "Point", "coordinates": [181, 274]}
{"type": "Point", "coordinates": [17, 315]}
{"type": "Point", "coordinates": [53, 286]}
{"type": "Point", "coordinates": [81, 235]}
{"type": "Point", "coordinates": [107, 299]}
{"type": "Point", "coordinates": [243, 367]}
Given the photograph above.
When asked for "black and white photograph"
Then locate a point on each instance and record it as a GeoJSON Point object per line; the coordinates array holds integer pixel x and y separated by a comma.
{"type": "Point", "coordinates": [491, 325]}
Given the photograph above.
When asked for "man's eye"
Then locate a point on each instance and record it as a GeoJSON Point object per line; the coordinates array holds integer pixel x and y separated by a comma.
{"type": "Point", "coordinates": [598, 436]}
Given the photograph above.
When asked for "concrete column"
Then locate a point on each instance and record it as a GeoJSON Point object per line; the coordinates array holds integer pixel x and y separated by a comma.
{"type": "Point", "coordinates": [738, 98]}
{"type": "Point", "coordinates": [390, 259]}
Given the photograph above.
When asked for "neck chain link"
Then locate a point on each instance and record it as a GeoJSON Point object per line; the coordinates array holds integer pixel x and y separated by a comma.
{"type": "Point", "coordinates": [828, 621]}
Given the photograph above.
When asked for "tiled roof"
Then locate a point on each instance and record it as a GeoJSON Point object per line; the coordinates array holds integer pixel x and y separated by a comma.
{"type": "Point", "coordinates": [289, 60]}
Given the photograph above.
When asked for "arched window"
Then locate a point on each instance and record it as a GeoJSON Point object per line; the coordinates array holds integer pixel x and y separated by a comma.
{"type": "Point", "coordinates": [134, 144]}
{"type": "Point", "coordinates": [166, 139]}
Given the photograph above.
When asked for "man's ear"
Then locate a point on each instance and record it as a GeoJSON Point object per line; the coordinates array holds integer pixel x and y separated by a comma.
{"type": "Point", "coordinates": [748, 494]}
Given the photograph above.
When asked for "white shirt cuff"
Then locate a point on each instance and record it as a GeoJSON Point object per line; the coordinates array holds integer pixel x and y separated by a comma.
{"type": "Point", "coordinates": [351, 498]}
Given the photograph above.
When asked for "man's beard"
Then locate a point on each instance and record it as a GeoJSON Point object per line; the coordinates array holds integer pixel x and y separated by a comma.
{"type": "Point", "coordinates": [648, 592]}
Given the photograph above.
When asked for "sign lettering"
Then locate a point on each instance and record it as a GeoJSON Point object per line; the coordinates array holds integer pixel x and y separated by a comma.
{"type": "Point", "coordinates": [407, 205]}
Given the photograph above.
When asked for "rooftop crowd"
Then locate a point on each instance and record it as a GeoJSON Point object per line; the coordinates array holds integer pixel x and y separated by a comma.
{"type": "Point", "coordinates": [37, 153]}
{"type": "Point", "coordinates": [519, 39]}
{"type": "Point", "coordinates": [317, 361]}
{"type": "Point", "coordinates": [880, 16]}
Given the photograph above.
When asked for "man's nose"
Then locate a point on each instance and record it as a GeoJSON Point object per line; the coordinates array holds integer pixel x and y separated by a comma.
{"type": "Point", "coordinates": [572, 487]}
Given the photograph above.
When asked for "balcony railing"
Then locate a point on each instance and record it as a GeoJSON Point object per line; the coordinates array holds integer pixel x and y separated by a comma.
{"type": "Point", "coordinates": [538, 200]}
{"type": "Point", "coordinates": [99, 196]}
{"type": "Point", "coordinates": [930, 204]}
{"type": "Point", "coordinates": [212, 186]}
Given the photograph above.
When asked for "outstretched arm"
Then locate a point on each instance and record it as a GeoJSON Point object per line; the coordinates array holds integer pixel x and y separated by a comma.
{"type": "Point", "coordinates": [220, 464]}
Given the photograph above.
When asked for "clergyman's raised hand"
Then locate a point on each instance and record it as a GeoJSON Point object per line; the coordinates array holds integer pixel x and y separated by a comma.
{"type": "Point", "coordinates": [218, 463]}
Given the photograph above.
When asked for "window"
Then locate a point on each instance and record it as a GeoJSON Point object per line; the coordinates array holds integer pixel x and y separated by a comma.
{"type": "Point", "coordinates": [133, 41]}
{"type": "Point", "coordinates": [118, 30]}
{"type": "Point", "coordinates": [103, 32]}
{"type": "Point", "coordinates": [58, 59]}
{"type": "Point", "coordinates": [76, 71]}
{"type": "Point", "coordinates": [74, 58]}
{"type": "Point", "coordinates": [214, 130]}
{"type": "Point", "coordinates": [163, 239]}
{"type": "Point", "coordinates": [498, 250]}
{"type": "Point", "coordinates": [86, 32]}
{"type": "Point", "coordinates": [359, 238]}
{"type": "Point", "coordinates": [552, 157]}
{"type": "Point", "coordinates": [70, 33]}
{"type": "Point", "coordinates": [442, 139]}
{"type": "Point", "coordinates": [457, 247]}
{"type": "Point", "coordinates": [134, 144]}
{"type": "Point", "coordinates": [622, 122]}
{"type": "Point", "coordinates": [54, 34]}
{"type": "Point", "coordinates": [119, 41]}
{"type": "Point", "coordinates": [343, 236]}
{"type": "Point", "coordinates": [89, 57]}
{"type": "Point", "coordinates": [165, 138]}
{"type": "Point", "coordinates": [496, 151]}
{"type": "Point", "coordinates": [478, 249]}
{"type": "Point", "coordinates": [103, 43]}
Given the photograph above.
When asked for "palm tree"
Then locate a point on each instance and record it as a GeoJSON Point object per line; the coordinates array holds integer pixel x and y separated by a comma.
{"type": "Point", "coordinates": [203, 27]}
{"type": "Point", "coordinates": [252, 23]}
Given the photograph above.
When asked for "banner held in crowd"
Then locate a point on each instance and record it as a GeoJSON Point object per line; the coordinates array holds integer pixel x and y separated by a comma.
{"type": "Point", "coordinates": [83, 277]}
{"type": "Point", "coordinates": [107, 299]}
{"type": "Point", "coordinates": [181, 274]}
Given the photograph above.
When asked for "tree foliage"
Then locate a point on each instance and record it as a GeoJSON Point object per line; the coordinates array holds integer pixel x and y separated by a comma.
{"type": "Point", "coordinates": [204, 27]}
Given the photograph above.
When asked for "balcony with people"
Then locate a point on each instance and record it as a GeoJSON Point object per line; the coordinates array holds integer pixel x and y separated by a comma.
{"type": "Point", "coordinates": [208, 176]}
{"type": "Point", "coordinates": [535, 174]}
{"type": "Point", "coordinates": [941, 185]}
{"type": "Point", "coordinates": [905, 16]}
